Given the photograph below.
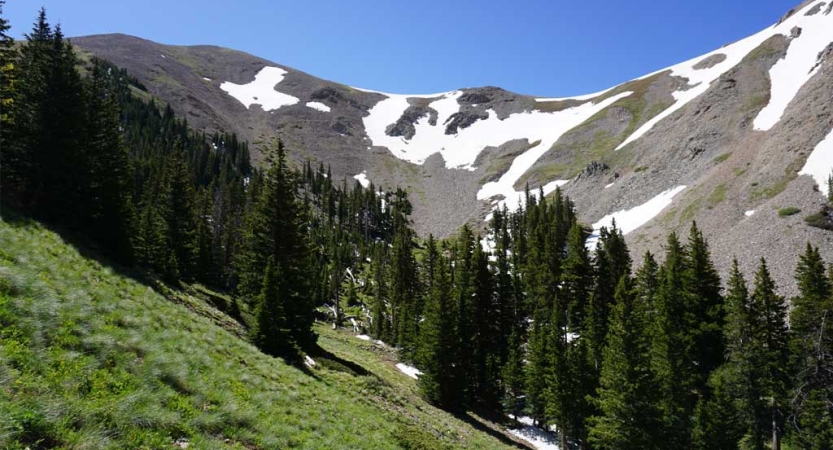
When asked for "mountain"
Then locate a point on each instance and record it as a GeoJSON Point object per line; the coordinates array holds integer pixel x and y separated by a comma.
{"type": "Point", "coordinates": [738, 139]}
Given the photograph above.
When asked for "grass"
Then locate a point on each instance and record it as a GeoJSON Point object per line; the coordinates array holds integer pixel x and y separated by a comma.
{"type": "Point", "coordinates": [92, 358]}
{"type": "Point", "coordinates": [603, 144]}
{"type": "Point", "coordinates": [717, 196]}
{"type": "Point", "coordinates": [788, 211]}
{"type": "Point", "coordinates": [721, 158]}
{"type": "Point", "coordinates": [640, 169]}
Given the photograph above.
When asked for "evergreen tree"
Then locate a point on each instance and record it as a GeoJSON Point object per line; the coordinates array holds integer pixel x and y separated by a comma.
{"type": "Point", "coordinates": [671, 344]}
{"type": "Point", "coordinates": [440, 381]}
{"type": "Point", "coordinates": [271, 332]}
{"type": "Point", "coordinates": [109, 193]}
{"type": "Point", "coordinates": [770, 356]}
{"type": "Point", "coordinates": [629, 416]}
{"type": "Point", "coordinates": [8, 55]}
{"type": "Point", "coordinates": [706, 312]}
{"type": "Point", "coordinates": [274, 228]}
{"type": "Point", "coordinates": [181, 215]}
{"type": "Point", "coordinates": [811, 324]}
{"type": "Point", "coordinates": [729, 414]}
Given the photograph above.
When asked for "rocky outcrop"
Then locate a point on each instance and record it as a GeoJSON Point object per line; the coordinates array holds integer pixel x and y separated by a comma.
{"type": "Point", "coordinates": [464, 119]}
{"type": "Point", "coordinates": [406, 125]}
{"type": "Point", "coordinates": [711, 61]}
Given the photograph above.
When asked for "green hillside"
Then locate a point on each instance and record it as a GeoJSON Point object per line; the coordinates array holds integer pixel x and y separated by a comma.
{"type": "Point", "coordinates": [92, 358]}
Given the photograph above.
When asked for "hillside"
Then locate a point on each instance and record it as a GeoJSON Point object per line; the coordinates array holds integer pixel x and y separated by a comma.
{"type": "Point", "coordinates": [90, 357]}
{"type": "Point", "coordinates": [726, 136]}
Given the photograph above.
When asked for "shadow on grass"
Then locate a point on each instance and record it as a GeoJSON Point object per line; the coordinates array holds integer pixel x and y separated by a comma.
{"type": "Point", "coordinates": [334, 362]}
{"type": "Point", "coordinates": [493, 417]}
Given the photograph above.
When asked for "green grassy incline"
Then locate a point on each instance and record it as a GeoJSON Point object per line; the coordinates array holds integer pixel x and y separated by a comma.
{"type": "Point", "coordinates": [91, 358]}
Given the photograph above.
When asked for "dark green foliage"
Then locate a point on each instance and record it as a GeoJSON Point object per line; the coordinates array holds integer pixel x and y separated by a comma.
{"type": "Point", "coordinates": [274, 230]}
{"type": "Point", "coordinates": [788, 211]}
{"type": "Point", "coordinates": [442, 379]}
{"type": "Point", "coordinates": [271, 331]}
{"type": "Point", "coordinates": [811, 324]}
{"type": "Point", "coordinates": [822, 219]}
{"type": "Point", "coordinates": [629, 416]}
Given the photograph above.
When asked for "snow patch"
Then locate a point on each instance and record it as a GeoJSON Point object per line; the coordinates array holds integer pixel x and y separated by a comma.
{"type": "Point", "coordinates": [309, 361]}
{"type": "Point", "coordinates": [362, 177]}
{"type": "Point", "coordinates": [411, 371]}
{"type": "Point", "coordinates": [609, 185]}
{"type": "Point", "coordinates": [544, 127]}
{"type": "Point", "coordinates": [364, 337]}
{"type": "Point", "coordinates": [629, 220]}
{"type": "Point", "coordinates": [540, 439]}
{"type": "Point", "coordinates": [820, 163]}
{"type": "Point", "coordinates": [206, 78]}
{"type": "Point", "coordinates": [460, 150]}
{"type": "Point", "coordinates": [319, 106]}
{"type": "Point", "coordinates": [788, 75]}
{"type": "Point", "coordinates": [749, 213]}
{"type": "Point", "coordinates": [699, 81]}
{"type": "Point", "coordinates": [261, 91]}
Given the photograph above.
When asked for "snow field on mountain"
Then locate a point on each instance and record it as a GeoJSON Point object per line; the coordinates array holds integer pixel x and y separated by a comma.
{"type": "Point", "coordinates": [786, 82]}
{"type": "Point", "coordinates": [461, 150]}
{"type": "Point", "coordinates": [319, 106]}
{"type": "Point", "coordinates": [261, 91]}
{"type": "Point", "coordinates": [798, 66]}
{"type": "Point", "coordinates": [362, 177]}
{"type": "Point", "coordinates": [820, 163]}
{"type": "Point", "coordinates": [631, 219]}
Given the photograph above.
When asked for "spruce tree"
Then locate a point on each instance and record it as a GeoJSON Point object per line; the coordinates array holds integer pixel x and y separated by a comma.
{"type": "Point", "coordinates": [770, 357]}
{"type": "Point", "coordinates": [629, 416]}
{"type": "Point", "coordinates": [811, 324]}
{"type": "Point", "coordinates": [274, 228]}
{"type": "Point", "coordinates": [8, 55]}
{"type": "Point", "coordinates": [110, 182]}
{"type": "Point", "coordinates": [271, 331]}
{"type": "Point", "coordinates": [181, 215]}
{"type": "Point", "coordinates": [706, 312]}
{"type": "Point", "coordinates": [440, 381]}
{"type": "Point", "coordinates": [671, 344]}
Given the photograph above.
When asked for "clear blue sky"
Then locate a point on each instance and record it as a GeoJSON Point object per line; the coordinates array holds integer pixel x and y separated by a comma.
{"type": "Point", "coordinates": [540, 47]}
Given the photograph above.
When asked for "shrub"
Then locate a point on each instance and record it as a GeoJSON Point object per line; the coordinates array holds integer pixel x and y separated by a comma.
{"type": "Point", "coordinates": [640, 169]}
{"type": "Point", "coordinates": [821, 219]}
{"type": "Point", "coordinates": [788, 211]}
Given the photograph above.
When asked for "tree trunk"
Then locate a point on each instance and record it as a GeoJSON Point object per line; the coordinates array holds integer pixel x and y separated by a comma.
{"type": "Point", "coordinates": [776, 435]}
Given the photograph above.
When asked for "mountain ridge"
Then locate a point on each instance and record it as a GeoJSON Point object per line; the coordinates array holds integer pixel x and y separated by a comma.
{"type": "Point", "coordinates": [695, 124]}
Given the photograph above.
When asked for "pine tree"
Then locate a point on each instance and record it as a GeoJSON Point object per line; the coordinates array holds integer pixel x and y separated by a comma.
{"type": "Point", "coordinates": [811, 324]}
{"type": "Point", "coordinates": [722, 420]}
{"type": "Point", "coordinates": [274, 228]}
{"type": "Point", "coordinates": [271, 332]}
{"type": "Point", "coordinates": [8, 55]}
{"type": "Point", "coordinates": [770, 356]}
{"type": "Point", "coordinates": [109, 194]}
{"type": "Point", "coordinates": [577, 278]}
{"type": "Point", "coordinates": [671, 345]}
{"type": "Point", "coordinates": [181, 214]}
{"type": "Point", "coordinates": [440, 381]}
{"type": "Point", "coordinates": [706, 312]}
{"type": "Point", "coordinates": [629, 416]}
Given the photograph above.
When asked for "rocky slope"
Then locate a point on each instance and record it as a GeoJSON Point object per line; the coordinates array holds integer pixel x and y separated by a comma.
{"type": "Point", "coordinates": [711, 139]}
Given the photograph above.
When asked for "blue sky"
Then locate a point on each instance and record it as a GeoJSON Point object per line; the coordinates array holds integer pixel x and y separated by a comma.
{"type": "Point", "coordinates": [540, 47]}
